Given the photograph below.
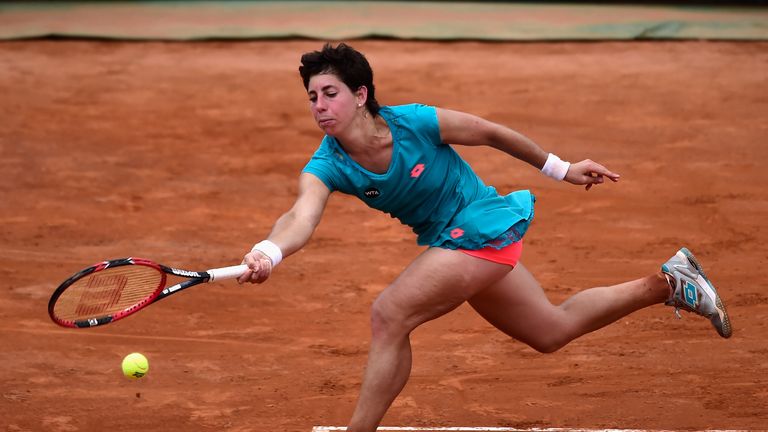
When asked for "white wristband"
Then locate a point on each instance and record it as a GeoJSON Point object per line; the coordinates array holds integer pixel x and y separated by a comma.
{"type": "Point", "coordinates": [271, 250]}
{"type": "Point", "coordinates": [555, 168]}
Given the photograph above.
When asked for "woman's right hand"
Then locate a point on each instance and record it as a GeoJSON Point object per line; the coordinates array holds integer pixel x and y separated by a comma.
{"type": "Point", "coordinates": [259, 267]}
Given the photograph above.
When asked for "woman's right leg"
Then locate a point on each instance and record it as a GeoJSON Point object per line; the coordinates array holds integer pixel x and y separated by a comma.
{"type": "Point", "coordinates": [518, 306]}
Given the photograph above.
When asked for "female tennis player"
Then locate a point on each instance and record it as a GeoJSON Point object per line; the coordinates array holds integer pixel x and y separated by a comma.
{"type": "Point", "coordinates": [398, 159]}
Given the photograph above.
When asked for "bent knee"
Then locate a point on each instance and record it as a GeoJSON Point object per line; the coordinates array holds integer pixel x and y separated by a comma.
{"type": "Point", "coordinates": [387, 321]}
{"type": "Point", "coordinates": [550, 342]}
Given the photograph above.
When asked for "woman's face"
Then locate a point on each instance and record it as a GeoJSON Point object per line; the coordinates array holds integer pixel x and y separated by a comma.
{"type": "Point", "coordinates": [332, 103]}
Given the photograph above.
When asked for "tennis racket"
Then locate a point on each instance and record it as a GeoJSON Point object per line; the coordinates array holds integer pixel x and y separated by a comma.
{"type": "Point", "coordinates": [112, 290]}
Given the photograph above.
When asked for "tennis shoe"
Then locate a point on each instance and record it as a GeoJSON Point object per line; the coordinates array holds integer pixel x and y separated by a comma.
{"type": "Point", "coordinates": [693, 292]}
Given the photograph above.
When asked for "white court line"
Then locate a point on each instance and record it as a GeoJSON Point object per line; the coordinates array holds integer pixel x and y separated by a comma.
{"type": "Point", "coordinates": [499, 429]}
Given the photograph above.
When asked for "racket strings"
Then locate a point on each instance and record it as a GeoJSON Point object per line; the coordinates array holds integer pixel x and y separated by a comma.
{"type": "Point", "coordinates": [107, 292]}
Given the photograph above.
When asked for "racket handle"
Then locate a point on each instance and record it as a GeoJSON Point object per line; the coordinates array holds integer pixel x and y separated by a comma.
{"type": "Point", "coordinates": [226, 272]}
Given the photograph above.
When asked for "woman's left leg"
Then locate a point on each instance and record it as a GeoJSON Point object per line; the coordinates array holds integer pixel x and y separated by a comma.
{"type": "Point", "coordinates": [518, 306]}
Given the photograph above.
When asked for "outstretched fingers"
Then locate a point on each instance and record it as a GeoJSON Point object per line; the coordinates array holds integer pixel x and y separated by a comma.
{"type": "Point", "coordinates": [589, 173]}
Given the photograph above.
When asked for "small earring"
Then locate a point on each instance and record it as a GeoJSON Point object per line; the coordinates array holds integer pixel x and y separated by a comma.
{"type": "Point", "coordinates": [359, 105]}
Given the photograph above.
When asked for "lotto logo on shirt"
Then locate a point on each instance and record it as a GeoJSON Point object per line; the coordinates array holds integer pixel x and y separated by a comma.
{"type": "Point", "coordinates": [417, 170]}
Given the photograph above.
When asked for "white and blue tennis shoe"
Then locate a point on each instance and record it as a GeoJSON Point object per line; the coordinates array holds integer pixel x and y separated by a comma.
{"type": "Point", "coordinates": [693, 292]}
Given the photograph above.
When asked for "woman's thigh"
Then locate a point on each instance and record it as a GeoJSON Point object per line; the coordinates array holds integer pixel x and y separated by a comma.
{"type": "Point", "coordinates": [518, 306]}
{"type": "Point", "coordinates": [436, 282]}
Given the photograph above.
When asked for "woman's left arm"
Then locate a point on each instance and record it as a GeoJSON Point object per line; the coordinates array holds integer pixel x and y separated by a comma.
{"type": "Point", "coordinates": [466, 129]}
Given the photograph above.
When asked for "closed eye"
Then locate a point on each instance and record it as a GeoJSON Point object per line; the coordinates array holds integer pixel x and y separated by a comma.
{"type": "Point", "coordinates": [329, 95]}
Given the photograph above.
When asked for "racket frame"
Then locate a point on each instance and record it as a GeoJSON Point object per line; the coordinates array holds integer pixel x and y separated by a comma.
{"type": "Point", "coordinates": [159, 293]}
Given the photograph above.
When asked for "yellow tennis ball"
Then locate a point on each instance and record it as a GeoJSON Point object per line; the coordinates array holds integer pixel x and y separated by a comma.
{"type": "Point", "coordinates": [135, 365]}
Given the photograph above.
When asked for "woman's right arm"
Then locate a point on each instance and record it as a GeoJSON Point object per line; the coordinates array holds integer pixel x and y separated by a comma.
{"type": "Point", "coordinates": [292, 230]}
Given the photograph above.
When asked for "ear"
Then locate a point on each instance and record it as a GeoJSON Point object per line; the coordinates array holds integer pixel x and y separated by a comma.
{"type": "Point", "coordinates": [362, 95]}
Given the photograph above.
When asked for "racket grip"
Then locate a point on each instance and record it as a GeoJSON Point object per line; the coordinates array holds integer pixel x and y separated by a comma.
{"type": "Point", "coordinates": [226, 272]}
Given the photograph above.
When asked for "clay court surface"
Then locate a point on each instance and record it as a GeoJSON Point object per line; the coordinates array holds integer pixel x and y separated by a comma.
{"type": "Point", "coordinates": [185, 153]}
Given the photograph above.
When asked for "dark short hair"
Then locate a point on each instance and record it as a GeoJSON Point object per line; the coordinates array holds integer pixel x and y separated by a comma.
{"type": "Point", "coordinates": [345, 62]}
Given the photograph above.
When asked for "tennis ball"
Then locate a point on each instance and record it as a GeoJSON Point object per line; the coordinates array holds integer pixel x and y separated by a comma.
{"type": "Point", "coordinates": [135, 365]}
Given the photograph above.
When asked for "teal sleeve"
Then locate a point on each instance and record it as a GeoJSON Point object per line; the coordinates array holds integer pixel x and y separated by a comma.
{"type": "Point", "coordinates": [424, 119]}
{"type": "Point", "coordinates": [321, 166]}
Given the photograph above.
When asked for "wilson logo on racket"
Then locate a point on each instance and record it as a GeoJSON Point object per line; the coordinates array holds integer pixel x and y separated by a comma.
{"type": "Point", "coordinates": [185, 273]}
{"type": "Point", "coordinates": [101, 293]}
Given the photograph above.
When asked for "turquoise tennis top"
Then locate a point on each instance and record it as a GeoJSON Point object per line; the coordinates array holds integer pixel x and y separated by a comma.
{"type": "Point", "coordinates": [427, 186]}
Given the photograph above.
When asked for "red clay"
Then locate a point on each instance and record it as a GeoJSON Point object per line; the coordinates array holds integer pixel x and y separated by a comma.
{"type": "Point", "coordinates": [186, 153]}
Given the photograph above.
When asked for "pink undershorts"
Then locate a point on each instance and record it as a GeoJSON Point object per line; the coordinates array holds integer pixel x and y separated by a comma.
{"type": "Point", "coordinates": [508, 255]}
